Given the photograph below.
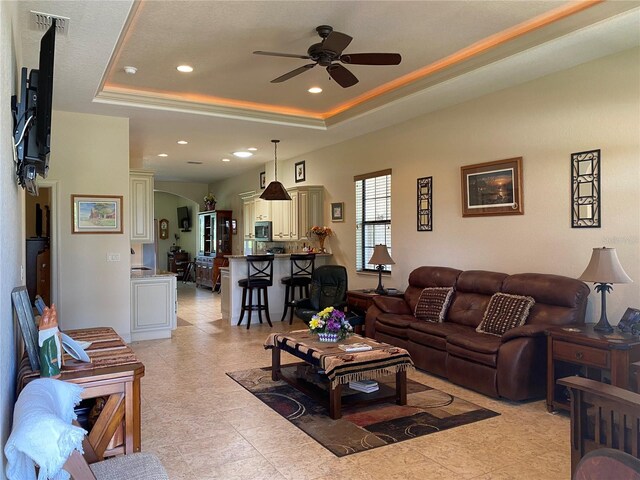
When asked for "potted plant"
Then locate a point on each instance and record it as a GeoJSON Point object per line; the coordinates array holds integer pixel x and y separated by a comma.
{"type": "Point", "coordinates": [210, 201]}
{"type": "Point", "coordinates": [330, 325]}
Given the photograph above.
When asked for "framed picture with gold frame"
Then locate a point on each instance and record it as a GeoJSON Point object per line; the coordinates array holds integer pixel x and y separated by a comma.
{"type": "Point", "coordinates": [492, 188]}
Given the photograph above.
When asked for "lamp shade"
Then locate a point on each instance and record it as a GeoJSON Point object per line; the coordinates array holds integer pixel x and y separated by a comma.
{"type": "Point", "coordinates": [275, 190]}
{"type": "Point", "coordinates": [381, 256]}
{"type": "Point", "coordinates": [604, 267]}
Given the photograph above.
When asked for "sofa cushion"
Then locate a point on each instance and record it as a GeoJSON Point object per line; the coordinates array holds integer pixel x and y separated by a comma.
{"type": "Point", "coordinates": [424, 277]}
{"type": "Point", "coordinates": [433, 304]}
{"type": "Point", "coordinates": [434, 335]}
{"type": "Point", "coordinates": [559, 300]}
{"type": "Point", "coordinates": [473, 292]}
{"type": "Point", "coordinates": [504, 312]}
{"type": "Point", "coordinates": [394, 325]}
{"type": "Point", "coordinates": [475, 347]}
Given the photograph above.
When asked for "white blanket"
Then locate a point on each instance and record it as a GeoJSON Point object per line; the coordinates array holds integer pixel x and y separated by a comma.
{"type": "Point", "coordinates": [42, 432]}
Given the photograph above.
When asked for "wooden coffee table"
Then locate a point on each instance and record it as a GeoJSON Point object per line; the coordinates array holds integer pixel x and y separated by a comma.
{"type": "Point", "coordinates": [341, 367]}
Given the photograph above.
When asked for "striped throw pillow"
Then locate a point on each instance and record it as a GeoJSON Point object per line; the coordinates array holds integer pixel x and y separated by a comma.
{"type": "Point", "coordinates": [505, 312]}
{"type": "Point", "coordinates": [433, 304]}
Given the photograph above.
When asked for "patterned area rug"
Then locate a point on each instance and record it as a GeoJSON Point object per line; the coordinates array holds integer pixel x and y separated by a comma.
{"type": "Point", "coordinates": [361, 427]}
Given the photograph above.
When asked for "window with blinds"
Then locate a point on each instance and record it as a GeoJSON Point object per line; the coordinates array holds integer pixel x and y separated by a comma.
{"type": "Point", "coordinates": [373, 216]}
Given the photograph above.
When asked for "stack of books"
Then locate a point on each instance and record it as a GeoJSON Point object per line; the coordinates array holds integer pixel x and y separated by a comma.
{"type": "Point", "coordinates": [355, 347]}
{"type": "Point", "coordinates": [366, 386]}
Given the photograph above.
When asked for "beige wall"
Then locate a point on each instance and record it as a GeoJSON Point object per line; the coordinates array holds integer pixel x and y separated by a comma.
{"type": "Point", "coordinates": [12, 226]}
{"type": "Point", "coordinates": [90, 156]}
{"type": "Point", "coordinates": [189, 190]}
{"type": "Point", "coordinates": [595, 105]}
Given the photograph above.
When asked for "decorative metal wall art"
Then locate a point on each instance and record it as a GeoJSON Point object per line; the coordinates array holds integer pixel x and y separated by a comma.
{"type": "Point", "coordinates": [425, 210]}
{"type": "Point", "coordinates": [585, 189]}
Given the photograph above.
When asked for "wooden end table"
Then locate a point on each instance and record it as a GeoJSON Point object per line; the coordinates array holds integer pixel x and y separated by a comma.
{"type": "Point", "coordinates": [115, 374]}
{"type": "Point", "coordinates": [579, 350]}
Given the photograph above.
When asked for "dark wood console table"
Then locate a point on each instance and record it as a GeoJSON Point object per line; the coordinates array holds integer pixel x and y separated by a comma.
{"type": "Point", "coordinates": [582, 351]}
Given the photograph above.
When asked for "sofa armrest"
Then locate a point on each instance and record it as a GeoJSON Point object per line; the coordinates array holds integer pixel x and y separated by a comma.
{"type": "Point", "coordinates": [394, 305]}
{"type": "Point", "coordinates": [524, 331]}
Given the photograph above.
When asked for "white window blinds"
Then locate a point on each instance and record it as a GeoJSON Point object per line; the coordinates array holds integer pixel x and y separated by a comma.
{"type": "Point", "coordinates": [373, 216]}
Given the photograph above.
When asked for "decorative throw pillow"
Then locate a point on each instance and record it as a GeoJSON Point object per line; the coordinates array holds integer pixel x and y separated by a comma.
{"type": "Point", "coordinates": [505, 312]}
{"type": "Point", "coordinates": [433, 303]}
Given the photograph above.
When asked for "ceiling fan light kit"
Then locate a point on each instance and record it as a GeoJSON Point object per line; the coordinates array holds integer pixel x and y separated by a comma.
{"type": "Point", "coordinates": [328, 51]}
{"type": "Point", "coordinates": [275, 190]}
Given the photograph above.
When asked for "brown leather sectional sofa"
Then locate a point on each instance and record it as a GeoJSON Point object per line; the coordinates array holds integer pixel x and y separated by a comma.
{"type": "Point", "coordinates": [512, 366]}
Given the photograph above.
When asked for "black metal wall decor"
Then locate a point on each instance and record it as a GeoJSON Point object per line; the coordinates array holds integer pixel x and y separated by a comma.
{"type": "Point", "coordinates": [425, 210]}
{"type": "Point", "coordinates": [585, 189]}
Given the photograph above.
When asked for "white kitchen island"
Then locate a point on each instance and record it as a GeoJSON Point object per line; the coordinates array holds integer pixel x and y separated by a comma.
{"type": "Point", "coordinates": [232, 299]}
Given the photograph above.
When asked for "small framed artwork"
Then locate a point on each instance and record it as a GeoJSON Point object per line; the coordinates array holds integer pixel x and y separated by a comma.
{"type": "Point", "coordinates": [263, 180]}
{"type": "Point", "coordinates": [492, 188]}
{"type": "Point", "coordinates": [301, 174]}
{"type": "Point", "coordinates": [425, 209]}
{"type": "Point", "coordinates": [585, 189]}
{"type": "Point", "coordinates": [96, 213]}
{"type": "Point", "coordinates": [337, 212]}
{"type": "Point", "coordinates": [234, 226]}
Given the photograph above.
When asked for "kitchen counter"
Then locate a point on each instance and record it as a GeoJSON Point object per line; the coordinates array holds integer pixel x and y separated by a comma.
{"type": "Point", "coordinates": [232, 292]}
{"type": "Point", "coordinates": [135, 274]}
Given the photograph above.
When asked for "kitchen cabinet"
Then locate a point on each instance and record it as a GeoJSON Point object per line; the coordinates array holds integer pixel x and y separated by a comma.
{"type": "Point", "coordinates": [281, 213]}
{"type": "Point", "coordinates": [153, 307]}
{"type": "Point", "coordinates": [248, 218]}
{"type": "Point", "coordinates": [262, 209]}
{"type": "Point", "coordinates": [141, 206]}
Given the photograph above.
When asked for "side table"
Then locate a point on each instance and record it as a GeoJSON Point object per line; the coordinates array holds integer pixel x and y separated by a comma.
{"type": "Point", "coordinates": [360, 300]}
{"type": "Point", "coordinates": [114, 374]}
{"type": "Point", "coordinates": [579, 350]}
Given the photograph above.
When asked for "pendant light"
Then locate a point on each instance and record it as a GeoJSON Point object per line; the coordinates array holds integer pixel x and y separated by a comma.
{"type": "Point", "coordinates": [275, 190]}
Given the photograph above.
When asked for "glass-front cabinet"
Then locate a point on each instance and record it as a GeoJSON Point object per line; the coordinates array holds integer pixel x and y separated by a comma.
{"type": "Point", "coordinates": [215, 233]}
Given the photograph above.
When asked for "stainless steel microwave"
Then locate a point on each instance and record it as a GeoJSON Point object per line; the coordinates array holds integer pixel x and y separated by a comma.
{"type": "Point", "coordinates": [262, 231]}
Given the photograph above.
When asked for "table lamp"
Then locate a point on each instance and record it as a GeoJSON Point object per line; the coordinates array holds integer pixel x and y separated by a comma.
{"type": "Point", "coordinates": [604, 269]}
{"type": "Point", "coordinates": [380, 258]}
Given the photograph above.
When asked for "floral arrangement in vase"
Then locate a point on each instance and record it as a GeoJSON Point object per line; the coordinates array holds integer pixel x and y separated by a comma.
{"type": "Point", "coordinates": [210, 201]}
{"type": "Point", "coordinates": [322, 233]}
{"type": "Point", "coordinates": [330, 325]}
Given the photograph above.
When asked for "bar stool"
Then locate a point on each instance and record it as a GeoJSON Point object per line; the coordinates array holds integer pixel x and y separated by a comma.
{"type": "Point", "coordinates": [260, 277]}
{"type": "Point", "coordinates": [302, 265]}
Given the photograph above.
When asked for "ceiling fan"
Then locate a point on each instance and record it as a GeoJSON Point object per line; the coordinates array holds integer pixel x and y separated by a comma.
{"type": "Point", "coordinates": [328, 52]}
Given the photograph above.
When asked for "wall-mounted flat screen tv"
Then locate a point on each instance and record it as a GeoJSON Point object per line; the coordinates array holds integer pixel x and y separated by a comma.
{"type": "Point", "coordinates": [184, 218]}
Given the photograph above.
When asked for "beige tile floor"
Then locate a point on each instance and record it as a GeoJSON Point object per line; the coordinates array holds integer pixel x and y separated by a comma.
{"type": "Point", "coordinates": [205, 426]}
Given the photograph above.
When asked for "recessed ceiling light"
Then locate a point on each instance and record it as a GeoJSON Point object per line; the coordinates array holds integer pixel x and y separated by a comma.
{"type": "Point", "coordinates": [242, 154]}
{"type": "Point", "coordinates": [129, 70]}
{"type": "Point", "coordinates": [314, 90]}
{"type": "Point", "coordinates": [163, 155]}
{"type": "Point", "coordinates": [252, 149]}
{"type": "Point", "coordinates": [185, 68]}
{"type": "Point", "coordinates": [182, 142]}
{"type": "Point", "coordinates": [195, 163]}
{"type": "Point", "coordinates": [226, 160]}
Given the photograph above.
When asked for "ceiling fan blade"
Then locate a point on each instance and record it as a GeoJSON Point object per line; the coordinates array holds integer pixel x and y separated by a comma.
{"type": "Point", "coordinates": [336, 42]}
{"type": "Point", "coordinates": [341, 75]}
{"type": "Point", "coordinates": [293, 73]}
{"type": "Point", "coordinates": [371, 58]}
{"type": "Point", "coordinates": [288, 55]}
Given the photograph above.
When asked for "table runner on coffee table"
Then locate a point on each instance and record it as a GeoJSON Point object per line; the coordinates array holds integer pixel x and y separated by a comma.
{"type": "Point", "coordinates": [342, 367]}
